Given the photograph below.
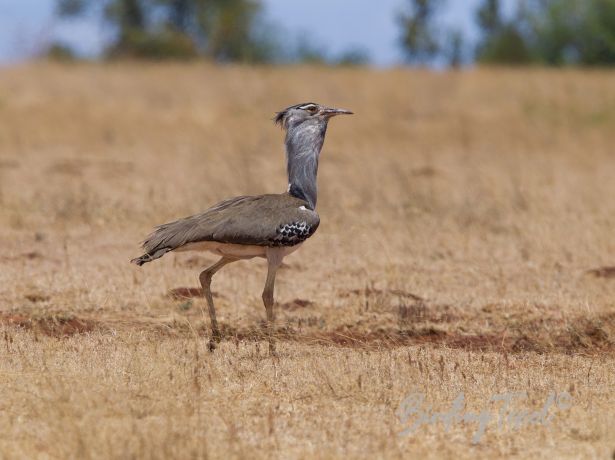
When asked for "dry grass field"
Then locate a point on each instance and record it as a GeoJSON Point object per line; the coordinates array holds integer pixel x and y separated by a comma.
{"type": "Point", "coordinates": [462, 216]}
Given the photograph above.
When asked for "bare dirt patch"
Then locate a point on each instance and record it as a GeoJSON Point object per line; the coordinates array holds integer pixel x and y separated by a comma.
{"type": "Point", "coordinates": [36, 297]}
{"type": "Point", "coordinates": [576, 335]}
{"type": "Point", "coordinates": [52, 325]}
{"type": "Point", "coordinates": [31, 255]}
{"type": "Point", "coordinates": [580, 335]}
{"type": "Point", "coordinates": [603, 272]}
{"type": "Point", "coordinates": [297, 304]}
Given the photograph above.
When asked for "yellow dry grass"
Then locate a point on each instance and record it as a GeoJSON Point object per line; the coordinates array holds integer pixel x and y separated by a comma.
{"type": "Point", "coordinates": [460, 215]}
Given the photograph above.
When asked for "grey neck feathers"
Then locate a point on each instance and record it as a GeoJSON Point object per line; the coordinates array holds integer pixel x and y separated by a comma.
{"type": "Point", "coordinates": [303, 144]}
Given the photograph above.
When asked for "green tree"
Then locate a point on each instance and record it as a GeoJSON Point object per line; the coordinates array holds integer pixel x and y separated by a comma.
{"type": "Point", "coordinates": [502, 41]}
{"type": "Point", "coordinates": [352, 57]}
{"type": "Point", "coordinates": [578, 32]}
{"type": "Point", "coordinates": [454, 49]}
{"type": "Point", "coordinates": [598, 42]}
{"type": "Point", "coordinates": [489, 17]}
{"type": "Point", "coordinates": [232, 31]}
{"type": "Point", "coordinates": [419, 39]}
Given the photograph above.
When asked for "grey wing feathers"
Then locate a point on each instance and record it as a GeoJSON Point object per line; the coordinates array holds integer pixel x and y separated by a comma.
{"type": "Point", "coordinates": [267, 220]}
{"type": "Point", "coordinates": [189, 229]}
{"type": "Point", "coordinates": [263, 220]}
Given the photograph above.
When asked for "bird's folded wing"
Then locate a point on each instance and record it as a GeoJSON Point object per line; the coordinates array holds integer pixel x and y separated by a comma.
{"type": "Point", "coordinates": [263, 220]}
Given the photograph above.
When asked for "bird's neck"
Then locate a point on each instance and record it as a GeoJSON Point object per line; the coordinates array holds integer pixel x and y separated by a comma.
{"type": "Point", "coordinates": [303, 145]}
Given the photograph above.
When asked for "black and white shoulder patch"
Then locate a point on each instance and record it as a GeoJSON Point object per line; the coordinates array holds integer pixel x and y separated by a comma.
{"type": "Point", "coordinates": [292, 234]}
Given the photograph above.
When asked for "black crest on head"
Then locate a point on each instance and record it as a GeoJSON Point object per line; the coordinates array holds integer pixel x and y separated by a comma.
{"type": "Point", "coordinates": [280, 117]}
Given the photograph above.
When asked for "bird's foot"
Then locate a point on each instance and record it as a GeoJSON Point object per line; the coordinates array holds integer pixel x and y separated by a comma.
{"type": "Point", "coordinates": [213, 342]}
{"type": "Point", "coordinates": [215, 339]}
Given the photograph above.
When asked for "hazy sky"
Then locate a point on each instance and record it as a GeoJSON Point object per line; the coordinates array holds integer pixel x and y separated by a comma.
{"type": "Point", "coordinates": [335, 25]}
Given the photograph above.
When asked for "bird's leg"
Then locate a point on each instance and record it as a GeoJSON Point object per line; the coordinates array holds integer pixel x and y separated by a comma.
{"type": "Point", "coordinates": [205, 279]}
{"type": "Point", "coordinates": [274, 260]}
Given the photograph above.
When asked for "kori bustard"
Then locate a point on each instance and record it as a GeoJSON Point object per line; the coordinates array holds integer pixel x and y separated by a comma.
{"type": "Point", "coordinates": [270, 226]}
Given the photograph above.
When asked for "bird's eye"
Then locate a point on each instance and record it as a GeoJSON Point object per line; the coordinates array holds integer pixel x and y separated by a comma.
{"type": "Point", "coordinates": [312, 109]}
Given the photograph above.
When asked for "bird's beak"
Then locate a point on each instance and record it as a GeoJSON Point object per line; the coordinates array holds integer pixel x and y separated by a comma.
{"type": "Point", "coordinates": [333, 112]}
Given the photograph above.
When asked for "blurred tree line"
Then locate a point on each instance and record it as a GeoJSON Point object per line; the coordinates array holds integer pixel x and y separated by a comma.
{"type": "Point", "coordinates": [549, 32]}
{"type": "Point", "coordinates": [225, 30]}
{"type": "Point", "coordinates": [221, 30]}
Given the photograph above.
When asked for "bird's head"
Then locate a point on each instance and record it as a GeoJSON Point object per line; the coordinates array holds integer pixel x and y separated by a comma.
{"type": "Point", "coordinates": [307, 114]}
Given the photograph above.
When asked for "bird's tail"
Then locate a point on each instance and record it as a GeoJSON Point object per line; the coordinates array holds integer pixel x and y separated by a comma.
{"type": "Point", "coordinates": [165, 238]}
{"type": "Point", "coordinates": [145, 258]}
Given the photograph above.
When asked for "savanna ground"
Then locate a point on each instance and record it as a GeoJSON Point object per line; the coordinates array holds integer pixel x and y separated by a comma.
{"type": "Point", "coordinates": [462, 216]}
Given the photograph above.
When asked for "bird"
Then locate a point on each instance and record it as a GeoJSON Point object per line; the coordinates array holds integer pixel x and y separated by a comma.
{"type": "Point", "coordinates": [269, 226]}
